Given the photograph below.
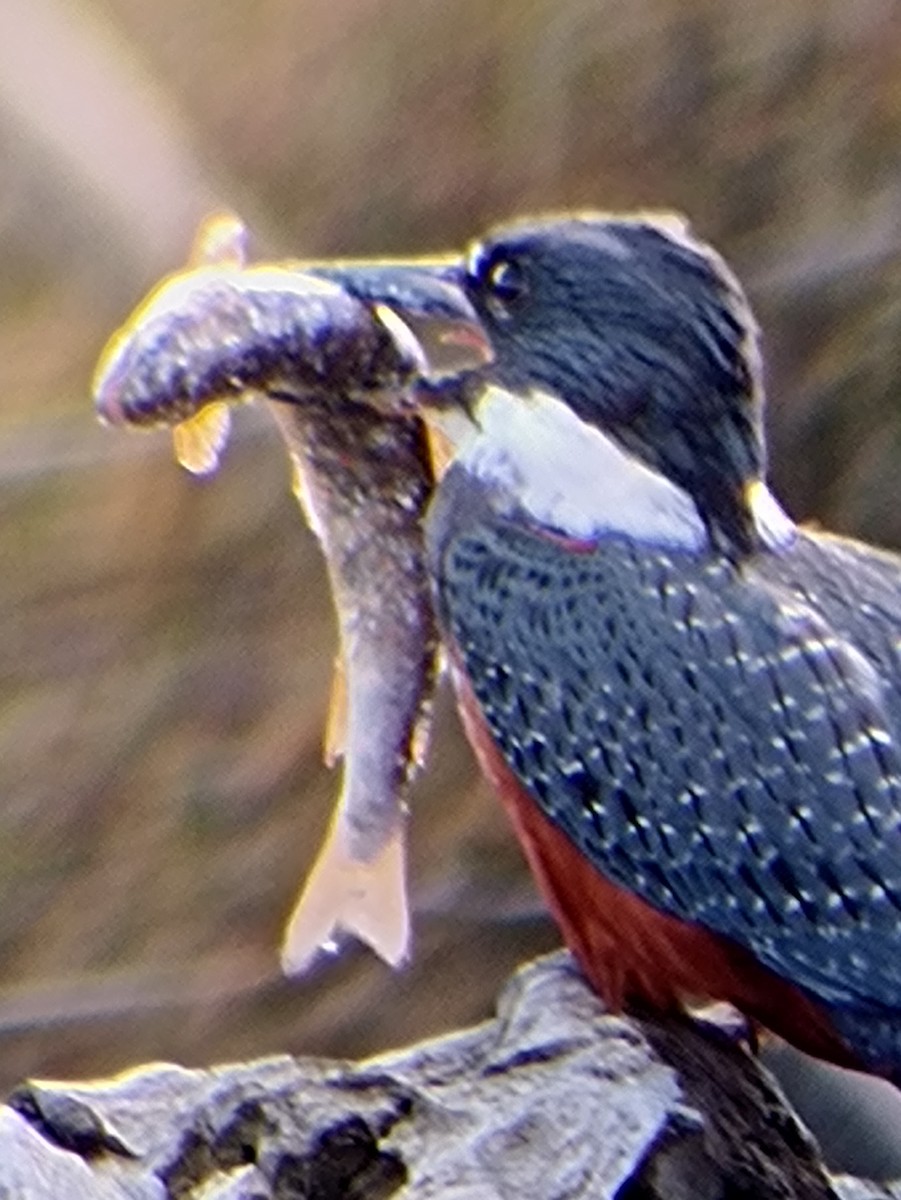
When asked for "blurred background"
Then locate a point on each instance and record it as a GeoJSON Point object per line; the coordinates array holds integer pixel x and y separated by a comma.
{"type": "Point", "coordinates": [166, 642]}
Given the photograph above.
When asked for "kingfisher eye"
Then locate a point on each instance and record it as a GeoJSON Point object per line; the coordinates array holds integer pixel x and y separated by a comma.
{"type": "Point", "coordinates": [506, 280]}
{"type": "Point", "coordinates": [504, 284]}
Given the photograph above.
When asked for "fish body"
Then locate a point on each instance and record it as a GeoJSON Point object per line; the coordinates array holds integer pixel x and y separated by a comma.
{"type": "Point", "coordinates": [364, 482]}
{"type": "Point", "coordinates": [225, 335]}
{"type": "Point", "coordinates": [338, 372]}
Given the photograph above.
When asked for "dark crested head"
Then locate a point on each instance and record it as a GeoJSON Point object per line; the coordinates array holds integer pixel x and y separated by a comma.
{"type": "Point", "coordinates": [644, 332]}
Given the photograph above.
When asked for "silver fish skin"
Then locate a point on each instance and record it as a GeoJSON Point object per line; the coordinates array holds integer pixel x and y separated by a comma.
{"type": "Point", "coordinates": [223, 334]}
{"type": "Point", "coordinates": [364, 483]}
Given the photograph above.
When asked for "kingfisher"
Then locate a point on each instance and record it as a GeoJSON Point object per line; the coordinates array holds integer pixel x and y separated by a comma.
{"type": "Point", "coordinates": [689, 705]}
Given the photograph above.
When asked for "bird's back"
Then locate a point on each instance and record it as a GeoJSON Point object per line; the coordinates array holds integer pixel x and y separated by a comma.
{"type": "Point", "coordinates": [854, 587]}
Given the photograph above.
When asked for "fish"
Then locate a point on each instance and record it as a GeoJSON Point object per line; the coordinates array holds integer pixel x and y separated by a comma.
{"type": "Point", "coordinates": [223, 332]}
{"type": "Point", "coordinates": [338, 374]}
{"type": "Point", "coordinates": [364, 484]}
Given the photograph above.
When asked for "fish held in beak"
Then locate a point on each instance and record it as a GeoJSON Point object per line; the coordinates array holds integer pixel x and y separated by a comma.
{"type": "Point", "coordinates": [337, 351]}
{"type": "Point", "coordinates": [222, 332]}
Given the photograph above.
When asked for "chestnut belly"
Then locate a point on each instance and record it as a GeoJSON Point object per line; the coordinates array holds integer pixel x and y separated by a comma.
{"type": "Point", "coordinates": [631, 952]}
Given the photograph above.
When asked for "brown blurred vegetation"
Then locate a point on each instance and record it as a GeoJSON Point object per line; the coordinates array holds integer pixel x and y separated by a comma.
{"type": "Point", "coordinates": [167, 643]}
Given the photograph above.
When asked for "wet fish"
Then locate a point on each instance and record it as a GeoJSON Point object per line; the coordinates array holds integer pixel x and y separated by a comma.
{"type": "Point", "coordinates": [222, 332]}
{"type": "Point", "coordinates": [337, 373]}
{"type": "Point", "coordinates": [364, 482]}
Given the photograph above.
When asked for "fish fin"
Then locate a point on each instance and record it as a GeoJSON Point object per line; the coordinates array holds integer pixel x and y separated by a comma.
{"type": "Point", "coordinates": [221, 241]}
{"type": "Point", "coordinates": [303, 494]}
{"type": "Point", "coordinates": [366, 899]}
{"type": "Point", "coordinates": [335, 738]}
{"type": "Point", "coordinates": [200, 440]}
{"type": "Point", "coordinates": [441, 449]}
{"type": "Point", "coordinates": [419, 742]}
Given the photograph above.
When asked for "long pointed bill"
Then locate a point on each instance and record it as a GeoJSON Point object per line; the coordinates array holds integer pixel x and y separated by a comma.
{"type": "Point", "coordinates": [426, 294]}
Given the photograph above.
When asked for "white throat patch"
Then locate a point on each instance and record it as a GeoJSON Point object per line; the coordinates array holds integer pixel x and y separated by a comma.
{"type": "Point", "coordinates": [567, 474]}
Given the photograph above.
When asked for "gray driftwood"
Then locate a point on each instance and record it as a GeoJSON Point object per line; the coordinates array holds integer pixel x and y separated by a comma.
{"type": "Point", "coordinates": [552, 1098]}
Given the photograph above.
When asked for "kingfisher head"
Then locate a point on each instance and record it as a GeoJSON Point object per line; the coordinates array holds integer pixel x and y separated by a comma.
{"type": "Point", "coordinates": [625, 360]}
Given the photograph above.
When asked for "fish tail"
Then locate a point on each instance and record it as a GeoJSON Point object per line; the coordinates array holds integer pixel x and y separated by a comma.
{"type": "Point", "coordinates": [365, 899]}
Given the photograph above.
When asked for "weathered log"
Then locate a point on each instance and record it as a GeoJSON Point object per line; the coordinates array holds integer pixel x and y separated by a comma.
{"type": "Point", "coordinates": [551, 1098]}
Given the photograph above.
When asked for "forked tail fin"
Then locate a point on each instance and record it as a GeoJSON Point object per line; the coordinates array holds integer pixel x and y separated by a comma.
{"type": "Point", "coordinates": [365, 899]}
